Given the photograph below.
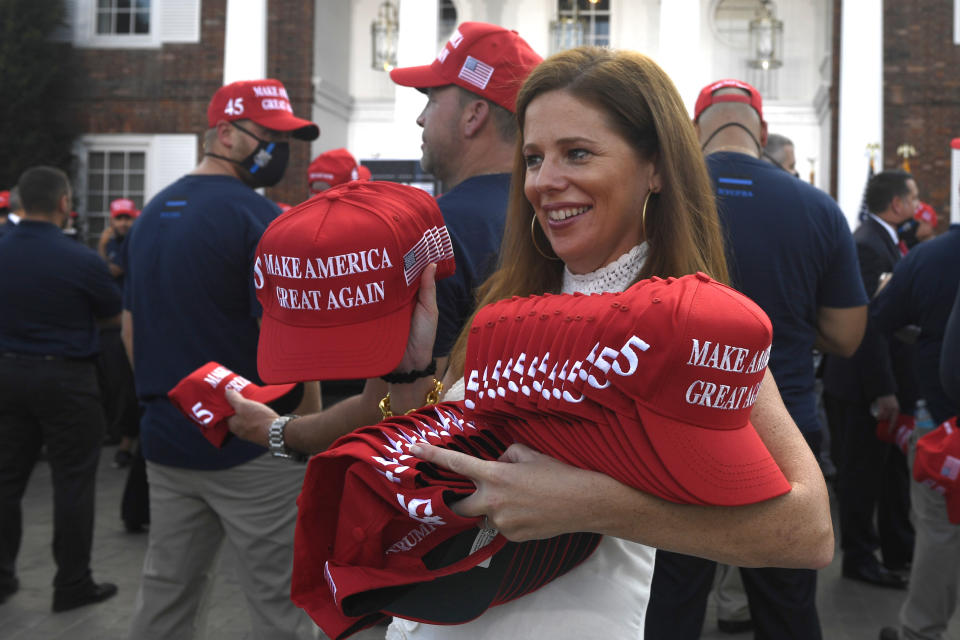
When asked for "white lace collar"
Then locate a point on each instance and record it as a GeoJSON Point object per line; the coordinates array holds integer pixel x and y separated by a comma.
{"type": "Point", "coordinates": [616, 276]}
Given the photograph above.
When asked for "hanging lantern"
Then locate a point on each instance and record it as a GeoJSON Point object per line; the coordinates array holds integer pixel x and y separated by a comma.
{"type": "Point", "coordinates": [766, 39]}
{"type": "Point", "coordinates": [384, 31]}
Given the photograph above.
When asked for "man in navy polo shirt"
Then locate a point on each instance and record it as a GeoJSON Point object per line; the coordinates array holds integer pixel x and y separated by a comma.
{"type": "Point", "coordinates": [53, 295]}
{"type": "Point", "coordinates": [188, 300]}
{"type": "Point", "coordinates": [790, 249]}
{"type": "Point", "coordinates": [922, 292]}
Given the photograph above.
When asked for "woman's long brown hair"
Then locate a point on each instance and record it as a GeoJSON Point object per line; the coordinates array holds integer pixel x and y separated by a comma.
{"type": "Point", "coordinates": [640, 103]}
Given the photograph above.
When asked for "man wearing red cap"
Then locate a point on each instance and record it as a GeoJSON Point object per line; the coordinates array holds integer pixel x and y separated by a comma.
{"type": "Point", "coordinates": [922, 226]}
{"type": "Point", "coordinates": [790, 250]}
{"type": "Point", "coordinates": [921, 292]}
{"type": "Point", "coordinates": [469, 131]}
{"type": "Point", "coordinates": [189, 300]}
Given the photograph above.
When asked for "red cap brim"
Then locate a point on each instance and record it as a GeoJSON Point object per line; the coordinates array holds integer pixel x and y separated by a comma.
{"type": "Point", "coordinates": [726, 467]}
{"type": "Point", "coordinates": [368, 349]}
{"type": "Point", "coordinates": [284, 121]}
{"type": "Point", "coordinates": [422, 77]}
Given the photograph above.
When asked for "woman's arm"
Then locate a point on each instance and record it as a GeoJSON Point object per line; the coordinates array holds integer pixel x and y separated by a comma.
{"type": "Point", "coordinates": [529, 495]}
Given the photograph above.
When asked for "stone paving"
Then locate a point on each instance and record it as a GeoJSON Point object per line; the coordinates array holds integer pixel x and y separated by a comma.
{"type": "Point", "coordinates": [848, 610]}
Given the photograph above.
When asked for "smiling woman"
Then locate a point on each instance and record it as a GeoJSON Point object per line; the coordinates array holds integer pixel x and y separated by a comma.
{"type": "Point", "coordinates": [609, 187]}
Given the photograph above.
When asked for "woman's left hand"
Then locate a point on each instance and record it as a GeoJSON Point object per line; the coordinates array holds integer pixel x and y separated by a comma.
{"type": "Point", "coordinates": [526, 494]}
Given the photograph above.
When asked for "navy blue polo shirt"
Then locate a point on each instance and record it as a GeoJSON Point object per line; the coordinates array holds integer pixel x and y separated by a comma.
{"type": "Point", "coordinates": [921, 292]}
{"type": "Point", "coordinates": [52, 292]}
{"type": "Point", "coordinates": [474, 212]}
{"type": "Point", "coordinates": [189, 288]}
{"type": "Point", "coordinates": [789, 248]}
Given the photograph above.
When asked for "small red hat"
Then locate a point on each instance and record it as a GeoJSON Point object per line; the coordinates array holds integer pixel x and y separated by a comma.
{"type": "Point", "coordinates": [4, 199]}
{"type": "Point", "coordinates": [335, 167]}
{"type": "Point", "coordinates": [338, 277]}
{"type": "Point", "coordinates": [482, 58]}
{"type": "Point", "coordinates": [925, 213]}
{"type": "Point", "coordinates": [707, 97]}
{"type": "Point", "coordinates": [201, 396]}
{"type": "Point", "coordinates": [937, 465]}
{"type": "Point", "coordinates": [123, 207]}
{"type": "Point", "coordinates": [262, 101]}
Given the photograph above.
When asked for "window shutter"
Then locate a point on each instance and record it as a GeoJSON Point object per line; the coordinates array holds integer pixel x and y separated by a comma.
{"type": "Point", "coordinates": [171, 156]}
{"type": "Point", "coordinates": [178, 20]}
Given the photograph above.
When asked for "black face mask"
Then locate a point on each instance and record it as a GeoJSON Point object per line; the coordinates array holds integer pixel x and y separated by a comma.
{"type": "Point", "coordinates": [732, 124]}
{"type": "Point", "coordinates": [266, 164]}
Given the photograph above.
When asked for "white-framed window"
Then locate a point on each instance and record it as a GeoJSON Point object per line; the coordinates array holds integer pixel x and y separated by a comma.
{"type": "Point", "coordinates": [116, 17]}
{"type": "Point", "coordinates": [595, 17]}
{"type": "Point", "coordinates": [956, 21]}
{"type": "Point", "coordinates": [115, 166]}
{"type": "Point", "coordinates": [131, 24]}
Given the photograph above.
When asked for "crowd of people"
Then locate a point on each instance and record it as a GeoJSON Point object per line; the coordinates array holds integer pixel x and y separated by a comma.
{"type": "Point", "coordinates": [576, 175]}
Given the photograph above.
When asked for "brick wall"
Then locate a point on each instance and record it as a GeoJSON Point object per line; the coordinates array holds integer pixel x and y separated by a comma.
{"type": "Point", "coordinates": [921, 98]}
{"type": "Point", "coordinates": [167, 90]}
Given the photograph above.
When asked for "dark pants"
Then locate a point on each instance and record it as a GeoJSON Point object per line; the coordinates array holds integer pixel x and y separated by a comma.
{"type": "Point", "coordinates": [57, 403]}
{"type": "Point", "coordinates": [116, 382]}
{"type": "Point", "coordinates": [872, 482]}
{"type": "Point", "coordinates": [782, 601]}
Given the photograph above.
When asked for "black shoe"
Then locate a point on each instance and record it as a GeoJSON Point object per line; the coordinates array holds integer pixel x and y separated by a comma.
{"type": "Point", "coordinates": [9, 589]}
{"type": "Point", "coordinates": [66, 599]}
{"type": "Point", "coordinates": [889, 633]}
{"type": "Point", "coordinates": [735, 626]}
{"type": "Point", "coordinates": [122, 459]}
{"type": "Point", "coordinates": [874, 573]}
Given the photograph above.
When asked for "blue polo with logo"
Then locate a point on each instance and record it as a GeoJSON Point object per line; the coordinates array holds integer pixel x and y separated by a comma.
{"type": "Point", "coordinates": [789, 248]}
{"type": "Point", "coordinates": [189, 288]}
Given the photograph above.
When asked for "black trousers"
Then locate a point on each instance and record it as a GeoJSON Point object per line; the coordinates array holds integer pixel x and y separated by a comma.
{"type": "Point", "coordinates": [782, 601]}
{"type": "Point", "coordinates": [57, 403]}
{"type": "Point", "coordinates": [872, 487]}
{"type": "Point", "coordinates": [116, 383]}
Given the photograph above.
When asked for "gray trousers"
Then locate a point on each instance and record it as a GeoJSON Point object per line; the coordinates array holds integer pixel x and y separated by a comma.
{"type": "Point", "coordinates": [932, 597]}
{"type": "Point", "coordinates": [253, 507]}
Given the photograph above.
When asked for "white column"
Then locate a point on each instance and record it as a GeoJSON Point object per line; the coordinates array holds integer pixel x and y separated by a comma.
{"type": "Point", "coordinates": [245, 41]}
{"type": "Point", "coordinates": [416, 46]}
{"type": "Point", "coordinates": [955, 180]}
{"type": "Point", "coordinates": [679, 45]}
{"type": "Point", "coordinates": [861, 99]}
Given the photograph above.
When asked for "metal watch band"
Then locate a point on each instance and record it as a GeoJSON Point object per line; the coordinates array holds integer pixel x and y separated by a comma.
{"type": "Point", "coordinates": [278, 447]}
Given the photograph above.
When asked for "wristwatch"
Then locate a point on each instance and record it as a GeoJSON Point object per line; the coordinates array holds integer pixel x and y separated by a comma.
{"type": "Point", "coordinates": [278, 447]}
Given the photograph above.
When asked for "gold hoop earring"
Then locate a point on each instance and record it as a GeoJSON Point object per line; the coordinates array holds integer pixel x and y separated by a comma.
{"type": "Point", "coordinates": [643, 215]}
{"type": "Point", "coordinates": [533, 237]}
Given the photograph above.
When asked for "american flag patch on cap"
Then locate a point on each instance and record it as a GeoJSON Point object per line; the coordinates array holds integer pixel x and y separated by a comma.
{"type": "Point", "coordinates": [476, 72]}
{"type": "Point", "coordinates": [433, 246]}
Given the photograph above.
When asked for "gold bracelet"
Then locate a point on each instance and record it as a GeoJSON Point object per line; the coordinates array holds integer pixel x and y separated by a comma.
{"type": "Point", "coordinates": [432, 397]}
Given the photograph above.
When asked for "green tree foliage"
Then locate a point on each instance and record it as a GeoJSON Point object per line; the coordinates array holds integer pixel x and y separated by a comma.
{"type": "Point", "coordinates": [36, 79]}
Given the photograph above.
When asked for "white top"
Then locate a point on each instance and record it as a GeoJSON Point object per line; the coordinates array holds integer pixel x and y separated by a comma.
{"type": "Point", "coordinates": [605, 597]}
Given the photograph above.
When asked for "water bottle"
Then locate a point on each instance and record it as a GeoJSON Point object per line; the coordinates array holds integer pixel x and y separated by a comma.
{"type": "Point", "coordinates": [924, 420]}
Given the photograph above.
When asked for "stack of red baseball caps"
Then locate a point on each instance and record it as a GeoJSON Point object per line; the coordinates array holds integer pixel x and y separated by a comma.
{"type": "Point", "coordinates": [201, 396]}
{"type": "Point", "coordinates": [338, 278]}
{"type": "Point", "coordinates": [937, 465]}
{"type": "Point", "coordinates": [653, 386]}
{"type": "Point", "coordinates": [376, 535]}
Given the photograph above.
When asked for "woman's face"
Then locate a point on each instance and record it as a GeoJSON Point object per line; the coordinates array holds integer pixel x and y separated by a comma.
{"type": "Point", "coordinates": [585, 182]}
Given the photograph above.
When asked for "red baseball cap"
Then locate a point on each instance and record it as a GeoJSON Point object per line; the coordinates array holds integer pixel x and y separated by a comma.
{"type": "Point", "coordinates": [123, 207]}
{"type": "Point", "coordinates": [482, 58]}
{"type": "Point", "coordinates": [262, 101]}
{"type": "Point", "coordinates": [338, 276]}
{"type": "Point", "coordinates": [707, 97]}
{"type": "Point", "coordinates": [4, 199]}
{"type": "Point", "coordinates": [335, 167]}
{"type": "Point", "coordinates": [201, 397]}
{"type": "Point", "coordinates": [925, 213]}
{"type": "Point", "coordinates": [937, 465]}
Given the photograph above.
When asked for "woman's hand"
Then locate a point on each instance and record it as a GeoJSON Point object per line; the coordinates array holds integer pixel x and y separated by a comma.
{"type": "Point", "coordinates": [526, 494]}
